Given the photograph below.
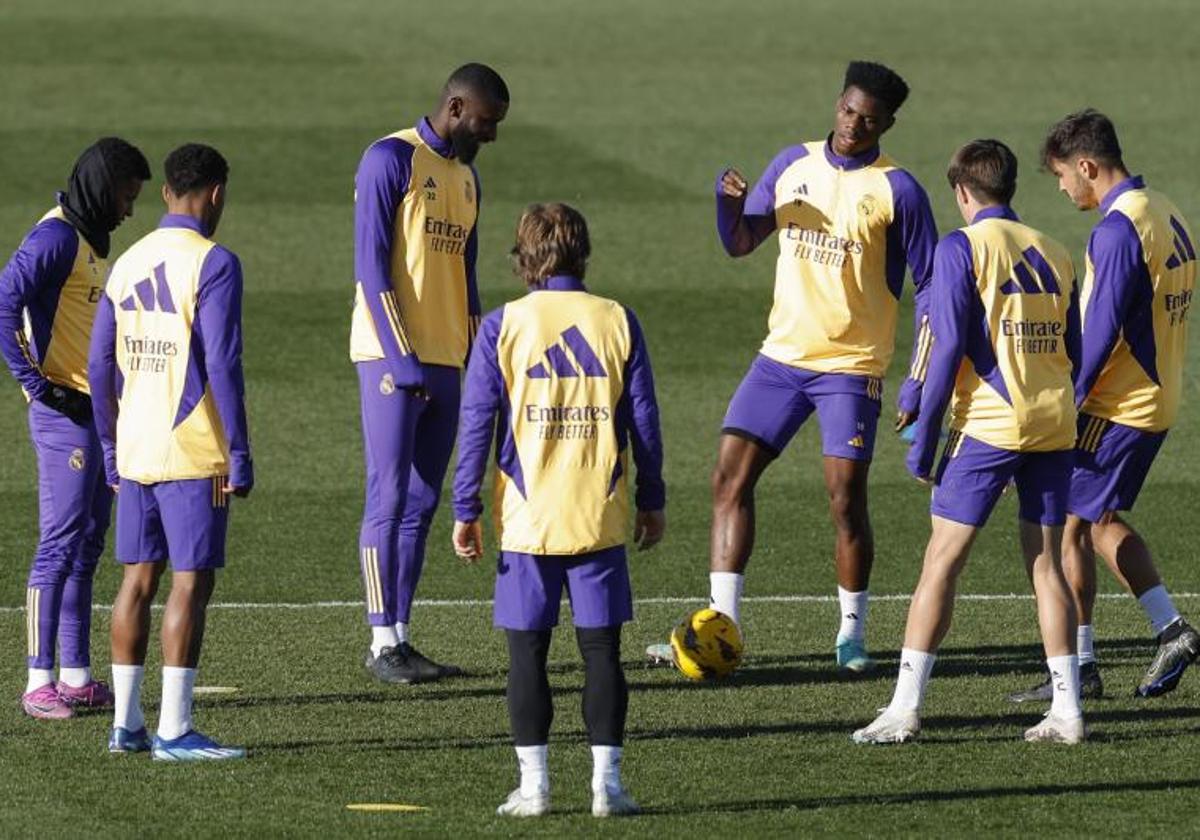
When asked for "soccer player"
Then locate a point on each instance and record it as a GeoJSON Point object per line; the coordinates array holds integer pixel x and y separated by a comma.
{"type": "Point", "coordinates": [564, 377]}
{"type": "Point", "coordinates": [847, 219]}
{"type": "Point", "coordinates": [55, 278]}
{"type": "Point", "coordinates": [416, 311]}
{"type": "Point", "coordinates": [165, 368]}
{"type": "Point", "coordinates": [1141, 274]}
{"type": "Point", "coordinates": [1004, 320]}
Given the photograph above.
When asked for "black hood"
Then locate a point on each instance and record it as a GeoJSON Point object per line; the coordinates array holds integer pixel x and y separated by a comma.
{"type": "Point", "coordinates": [90, 202]}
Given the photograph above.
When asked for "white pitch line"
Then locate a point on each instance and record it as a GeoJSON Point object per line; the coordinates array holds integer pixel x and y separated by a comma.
{"type": "Point", "coordinates": [673, 599]}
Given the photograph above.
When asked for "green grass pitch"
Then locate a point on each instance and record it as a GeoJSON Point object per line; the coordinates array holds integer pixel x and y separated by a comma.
{"type": "Point", "coordinates": [628, 110]}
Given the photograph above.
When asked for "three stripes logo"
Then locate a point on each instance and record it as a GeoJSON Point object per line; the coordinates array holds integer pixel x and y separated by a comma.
{"type": "Point", "coordinates": [372, 578]}
{"type": "Point", "coordinates": [151, 295]}
{"type": "Point", "coordinates": [558, 363]}
{"type": "Point", "coordinates": [33, 618]}
{"type": "Point", "coordinates": [920, 362]}
{"type": "Point", "coordinates": [1184, 252]}
{"type": "Point", "coordinates": [1092, 435]}
{"type": "Point", "coordinates": [1025, 283]}
{"type": "Point", "coordinates": [220, 499]}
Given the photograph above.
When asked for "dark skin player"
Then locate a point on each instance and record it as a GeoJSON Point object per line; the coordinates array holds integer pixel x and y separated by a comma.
{"type": "Point", "coordinates": [859, 121]}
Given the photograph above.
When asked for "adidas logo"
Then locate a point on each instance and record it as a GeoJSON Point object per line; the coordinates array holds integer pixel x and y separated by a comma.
{"type": "Point", "coordinates": [430, 184]}
{"type": "Point", "coordinates": [857, 442]}
{"type": "Point", "coordinates": [558, 363]}
{"type": "Point", "coordinates": [151, 295]}
{"type": "Point", "coordinates": [906, 666]}
{"type": "Point", "coordinates": [1025, 283]}
{"type": "Point", "coordinates": [852, 616]}
{"type": "Point", "coordinates": [1184, 252]}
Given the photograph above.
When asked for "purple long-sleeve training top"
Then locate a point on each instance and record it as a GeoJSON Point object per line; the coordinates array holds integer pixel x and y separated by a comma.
{"type": "Point", "coordinates": [32, 281]}
{"type": "Point", "coordinates": [485, 406]}
{"type": "Point", "coordinates": [215, 360]}
{"type": "Point", "coordinates": [380, 185]}
{"type": "Point", "coordinates": [744, 223]}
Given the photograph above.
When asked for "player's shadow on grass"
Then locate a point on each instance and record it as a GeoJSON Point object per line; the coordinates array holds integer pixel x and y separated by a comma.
{"type": "Point", "coordinates": [909, 796]}
{"type": "Point", "coordinates": [390, 696]}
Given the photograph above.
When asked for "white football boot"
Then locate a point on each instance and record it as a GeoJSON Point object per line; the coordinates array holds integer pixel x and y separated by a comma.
{"type": "Point", "coordinates": [607, 803]}
{"type": "Point", "coordinates": [1058, 729]}
{"type": "Point", "coordinates": [889, 728]}
{"type": "Point", "coordinates": [519, 805]}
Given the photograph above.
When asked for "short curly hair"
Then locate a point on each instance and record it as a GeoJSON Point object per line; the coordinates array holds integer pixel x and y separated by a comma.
{"type": "Point", "coordinates": [879, 81]}
{"type": "Point", "coordinates": [551, 239]}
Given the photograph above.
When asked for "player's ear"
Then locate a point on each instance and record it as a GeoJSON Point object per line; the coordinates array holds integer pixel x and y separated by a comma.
{"type": "Point", "coordinates": [455, 106]}
{"type": "Point", "coordinates": [216, 196]}
{"type": "Point", "coordinates": [166, 193]}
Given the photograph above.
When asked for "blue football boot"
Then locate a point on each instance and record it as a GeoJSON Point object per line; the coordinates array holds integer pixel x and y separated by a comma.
{"type": "Point", "coordinates": [122, 740]}
{"type": "Point", "coordinates": [852, 656]}
{"type": "Point", "coordinates": [192, 746]}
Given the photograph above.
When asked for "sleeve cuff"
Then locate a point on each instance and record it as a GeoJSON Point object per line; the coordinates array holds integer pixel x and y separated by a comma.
{"type": "Point", "coordinates": [110, 467]}
{"type": "Point", "coordinates": [468, 511]}
{"type": "Point", "coordinates": [909, 398]}
{"type": "Point", "coordinates": [241, 471]}
{"type": "Point", "coordinates": [651, 496]}
{"type": "Point", "coordinates": [408, 373]}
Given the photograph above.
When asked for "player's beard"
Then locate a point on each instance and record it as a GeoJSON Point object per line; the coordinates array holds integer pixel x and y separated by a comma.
{"type": "Point", "coordinates": [466, 147]}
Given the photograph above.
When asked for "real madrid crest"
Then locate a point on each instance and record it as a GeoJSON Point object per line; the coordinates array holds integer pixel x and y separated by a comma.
{"type": "Point", "coordinates": [867, 206]}
{"type": "Point", "coordinates": [77, 461]}
{"type": "Point", "coordinates": [387, 385]}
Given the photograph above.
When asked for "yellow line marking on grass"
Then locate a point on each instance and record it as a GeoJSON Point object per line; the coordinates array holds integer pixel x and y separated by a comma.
{"type": "Point", "coordinates": [381, 807]}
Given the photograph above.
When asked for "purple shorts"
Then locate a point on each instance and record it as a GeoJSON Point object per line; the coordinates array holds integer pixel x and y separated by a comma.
{"type": "Point", "coordinates": [181, 521]}
{"type": "Point", "coordinates": [529, 589]}
{"type": "Point", "coordinates": [972, 476]}
{"type": "Point", "coordinates": [775, 399]}
{"type": "Point", "coordinates": [1111, 464]}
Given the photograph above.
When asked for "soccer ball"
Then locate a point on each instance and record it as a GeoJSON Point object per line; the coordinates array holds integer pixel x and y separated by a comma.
{"type": "Point", "coordinates": [706, 645]}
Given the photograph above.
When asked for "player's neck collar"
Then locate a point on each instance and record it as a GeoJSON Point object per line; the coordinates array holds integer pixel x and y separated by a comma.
{"type": "Point", "coordinates": [181, 220]}
{"type": "Point", "coordinates": [1133, 182]}
{"type": "Point", "coordinates": [433, 140]}
{"type": "Point", "coordinates": [853, 162]}
{"type": "Point", "coordinates": [559, 283]}
{"type": "Point", "coordinates": [996, 211]}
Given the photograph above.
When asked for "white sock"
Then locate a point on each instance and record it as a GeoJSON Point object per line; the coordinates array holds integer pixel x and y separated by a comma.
{"type": "Point", "coordinates": [401, 631]}
{"type": "Point", "coordinates": [1159, 607]}
{"type": "Point", "coordinates": [175, 717]}
{"type": "Point", "coordinates": [383, 637]}
{"type": "Point", "coordinates": [854, 614]}
{"type": "Point", "coordinates": [75, 677]}
{"type": "Point", "coordinates": [535, 770]}
{"type": "Point", "coordinates": [127, 697]}
{"type": "Point", "coordinates": [1064, 679]}
{"type": "Point", "coordinates": [38, 677]}
{"type": "Point", "coordinates": [1084, 644]}
{"type": "Point", "coordinates": [606, 769]}
{"type": "Point", "coordinates": [915, 667]}
{"type": "Point", "coordinates": [725, 594]}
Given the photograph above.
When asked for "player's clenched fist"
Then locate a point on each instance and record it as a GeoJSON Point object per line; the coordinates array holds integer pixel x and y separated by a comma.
{"type": "Point", "coordinates": [733, 184]}
{"type": "Point", "coordinates": [468, 540]}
